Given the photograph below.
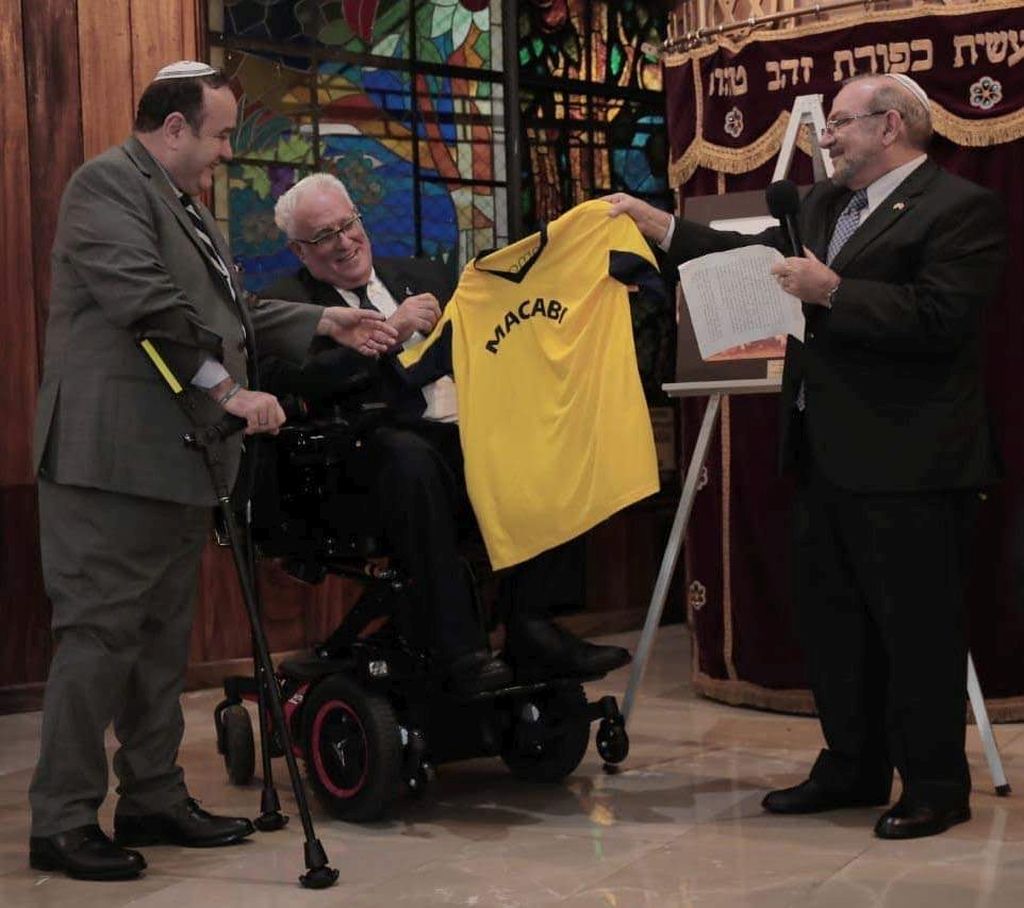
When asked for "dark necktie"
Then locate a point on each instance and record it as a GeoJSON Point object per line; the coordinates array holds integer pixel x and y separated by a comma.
{"type": "Point", "coordinates": [847, 224]}
{"type": "Point", "coordinates": [364, 298]}
{"type": "Point", "coordinates": [208, 243]}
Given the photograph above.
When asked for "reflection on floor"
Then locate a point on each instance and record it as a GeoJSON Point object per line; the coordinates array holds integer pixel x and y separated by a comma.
{"type": "Point", "coordinates": [681, 826]}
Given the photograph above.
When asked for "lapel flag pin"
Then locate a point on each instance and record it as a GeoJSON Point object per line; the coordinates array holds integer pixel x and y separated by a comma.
{"type": "Point", "coordinates": [899, 206]}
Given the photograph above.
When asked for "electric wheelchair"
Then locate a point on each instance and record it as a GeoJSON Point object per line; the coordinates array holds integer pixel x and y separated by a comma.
{"type": "Point", "coordinates": [367, 710]}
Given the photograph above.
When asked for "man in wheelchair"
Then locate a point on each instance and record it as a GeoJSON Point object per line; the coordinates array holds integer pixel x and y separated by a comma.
{"type": "Point", "coordinates": [408, 458]}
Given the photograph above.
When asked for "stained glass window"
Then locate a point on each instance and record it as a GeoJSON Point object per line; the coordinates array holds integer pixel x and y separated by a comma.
{"type": "Point", "coordinates": [593, 113]}
{"type": "Point", "coordinates": [593, 122]}
{"type": "Point", "coordinates": [402, 100]}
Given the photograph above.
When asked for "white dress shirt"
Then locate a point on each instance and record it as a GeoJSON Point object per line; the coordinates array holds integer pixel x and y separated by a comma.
{"type": "Point", "coordinates": [442, 402]}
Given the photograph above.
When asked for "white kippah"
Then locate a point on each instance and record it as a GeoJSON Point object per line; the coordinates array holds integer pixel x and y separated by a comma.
{"type": "Point", "coordinates": [911, 86]}
{"type": "Point", "coordinates": [184, 69]}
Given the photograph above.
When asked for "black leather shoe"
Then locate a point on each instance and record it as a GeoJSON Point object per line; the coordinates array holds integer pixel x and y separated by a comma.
{"type": "Point", "coordinates": [903, 822]}
{"type": "Point", "coordinates": [810, 797]}
{"type": "Point", "coordinates": [84, 853]}
{"type": "Point", "coordinates": [185, 824]}
{"type": "Point", "coordinates": [539, 649]}
{"type": "Point", "coordinates": [477, 672]}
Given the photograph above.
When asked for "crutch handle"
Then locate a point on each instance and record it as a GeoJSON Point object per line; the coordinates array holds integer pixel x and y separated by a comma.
{"type": "Point", "coordinates": [205, 436]}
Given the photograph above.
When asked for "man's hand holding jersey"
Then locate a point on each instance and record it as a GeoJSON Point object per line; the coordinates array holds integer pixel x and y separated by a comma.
{"type": "Point", "coordinates": [652, 222]}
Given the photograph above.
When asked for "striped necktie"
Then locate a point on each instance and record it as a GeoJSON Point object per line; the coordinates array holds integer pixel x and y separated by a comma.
{"type": "Point", "coordinates": [208, 244]}
{"type": "Point", "coordinates": [845, 227]}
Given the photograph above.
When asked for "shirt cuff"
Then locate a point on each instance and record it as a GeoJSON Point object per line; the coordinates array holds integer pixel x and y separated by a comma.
{"type": "Point", "coordinates": [210, 373]}
{"type": "Point", "coordinates": [666, 240]}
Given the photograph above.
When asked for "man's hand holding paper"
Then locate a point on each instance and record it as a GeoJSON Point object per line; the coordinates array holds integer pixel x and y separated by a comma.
{"type": "Point", "coordinates": [733, 300]}
{"type": "Point", "coordinates": [808, 279]}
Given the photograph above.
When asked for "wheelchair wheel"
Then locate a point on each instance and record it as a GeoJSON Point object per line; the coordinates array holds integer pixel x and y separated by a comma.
{"type": "Point", "coordinates": [239, 746]}
{"type": "Point", "coordinates": [353, 749]}
{"type": "Point", "coordinates": [562, 740]}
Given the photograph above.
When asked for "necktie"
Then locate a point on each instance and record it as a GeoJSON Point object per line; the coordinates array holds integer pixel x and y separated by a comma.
{"type": "Point", "coordinates": [847, 224]}
{"type": "Point", "coordinates": [208, 244]}
{"type": "Point", "coordinates": [364, 298]}
{"type": "Point", "coordinates": [845, 227]}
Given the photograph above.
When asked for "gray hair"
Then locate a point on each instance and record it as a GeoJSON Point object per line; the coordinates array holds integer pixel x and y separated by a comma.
{"type": "Point", "coordinates": [284, 210]}
{"type": "Point", "coordinates": [891, 95]}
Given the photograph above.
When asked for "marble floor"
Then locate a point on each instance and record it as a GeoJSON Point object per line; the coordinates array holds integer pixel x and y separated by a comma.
{"type": "Point", "coordinates": [680, 826]}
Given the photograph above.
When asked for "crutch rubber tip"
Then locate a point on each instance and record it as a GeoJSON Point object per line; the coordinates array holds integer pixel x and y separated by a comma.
{"type": "Point", "coordinates": [320, 875]}
{"type": "Point", "coordinates": [1003, 790]}
{"type": "Point", "coordinates": [321, 878]}
{"type": "Point", "coordinates": [270, 821]}
{"type": "Point", "coordinates": [610, 769]}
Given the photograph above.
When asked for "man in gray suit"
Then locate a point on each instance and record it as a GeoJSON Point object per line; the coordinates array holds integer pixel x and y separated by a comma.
{"type": "Point", "coordinates": [124, 507]}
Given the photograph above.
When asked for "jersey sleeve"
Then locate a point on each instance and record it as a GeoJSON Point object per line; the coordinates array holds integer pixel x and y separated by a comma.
{"type": "Point", "coordinates": [431, 359]}
{"type": "Point", "coordinates": [631, 261]}
{"type": "Point", "coordinates": [625, 236]}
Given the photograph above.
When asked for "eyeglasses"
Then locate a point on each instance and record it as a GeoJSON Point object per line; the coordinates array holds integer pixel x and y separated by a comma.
{"type": "Point", "coordinates": [834, 123]}
{"type": "Point", "coordinates": [346, 228]}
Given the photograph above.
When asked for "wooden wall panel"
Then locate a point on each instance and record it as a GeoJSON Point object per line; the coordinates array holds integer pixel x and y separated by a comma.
{"type": "Point", "coordinates": [156, 39]}
{"type": "Point", "coordinates": [193, 29]}
{"type": "Point", "coordinates": [53, 114]}
{"type": "Point", "coordinates": [55, 124]}
{"type": "Point", "coordinates": [107, 90]}
{"type": "Point", "coordinates": [24, 612]}
{"type": "Point", "coordinates": [19, 376]}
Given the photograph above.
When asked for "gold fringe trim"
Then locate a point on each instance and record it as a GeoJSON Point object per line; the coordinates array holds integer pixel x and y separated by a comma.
{"type": "Point", "coordinates": [745, 693]}
{"type": "Point", "coordinates": [962, 131]}
{"type": "Point", "coordinates": [978, 133]}
{"type": "Point", "coordinates": [731, 160]}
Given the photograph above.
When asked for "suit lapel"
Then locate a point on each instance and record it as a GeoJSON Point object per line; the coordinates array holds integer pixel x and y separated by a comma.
{"type": "Point", "coordinates": [899, 203]}
{"type": "Point", "coordinates": [391, 279]}
{"type": "Point", "coordinates": [147, 165]}
{"type": "Point", "coordinates": [321, 293]}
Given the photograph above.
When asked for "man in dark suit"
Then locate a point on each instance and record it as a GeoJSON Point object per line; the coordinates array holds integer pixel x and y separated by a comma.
{"type": "Point", "coordinates": [416, 475]}
{"type": "Point", "coordinates": [124, 507]}
{"type": "Point", "coordinates": [884, 419]}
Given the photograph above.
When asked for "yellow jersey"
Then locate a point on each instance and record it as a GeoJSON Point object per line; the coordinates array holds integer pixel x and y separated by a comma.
{"type": "Point", "coordinates": [555, 431]}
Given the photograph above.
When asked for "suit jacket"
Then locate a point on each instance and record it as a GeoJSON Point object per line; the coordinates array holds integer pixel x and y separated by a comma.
{"type": "Point", "coordinates": [127, 262]}
{"type": "Point", "coordinates": [329, 370]}
{"type": "Point", "coordinates": [892, 372]}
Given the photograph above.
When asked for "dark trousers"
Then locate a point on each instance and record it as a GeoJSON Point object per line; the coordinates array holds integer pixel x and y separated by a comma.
{"type": "Point", "coordinates": [415, 474]}
{"type": "Point", "coordinates": [121, 573]}
{"type": "Point", "coordinates": [879, 589]}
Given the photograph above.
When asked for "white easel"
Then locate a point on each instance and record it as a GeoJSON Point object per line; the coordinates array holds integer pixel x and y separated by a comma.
{"type": "Point", "coordinates": [806, 109]}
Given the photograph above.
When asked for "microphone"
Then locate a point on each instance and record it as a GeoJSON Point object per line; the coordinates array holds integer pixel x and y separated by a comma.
{"type": "Point", "coordinates": [784, 204]}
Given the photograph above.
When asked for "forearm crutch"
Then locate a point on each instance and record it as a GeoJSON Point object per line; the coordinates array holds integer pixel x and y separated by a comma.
{"type": "Point", "coordinates": [208, 440]}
